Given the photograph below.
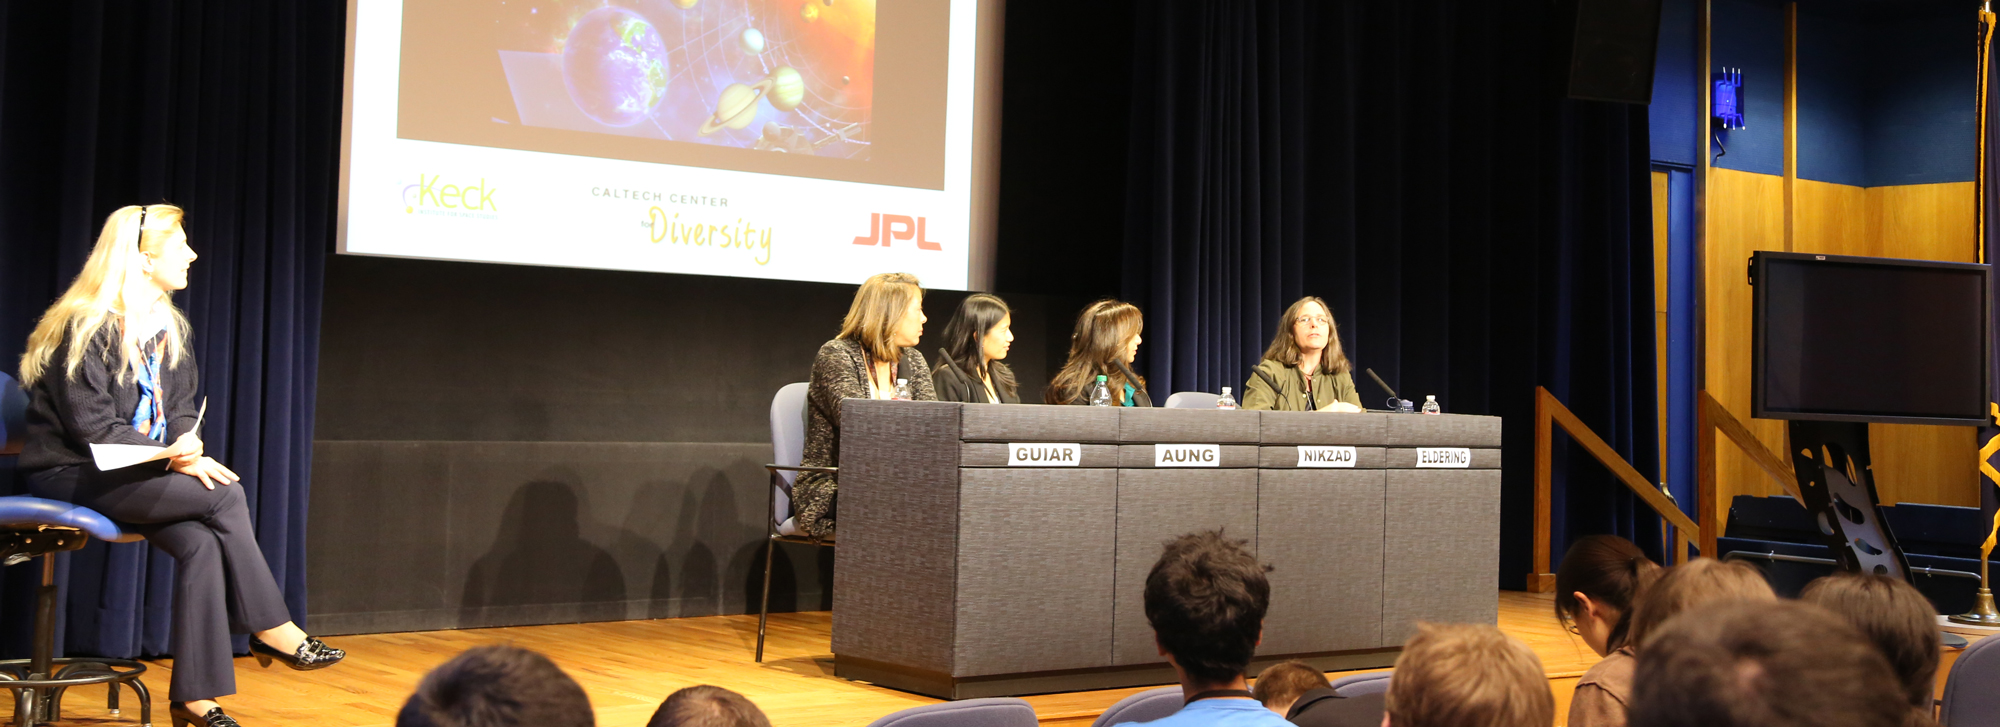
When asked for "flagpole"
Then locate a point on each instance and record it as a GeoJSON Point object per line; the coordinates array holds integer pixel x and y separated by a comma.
{"type": "Point", "coordinates": [1983, 611]}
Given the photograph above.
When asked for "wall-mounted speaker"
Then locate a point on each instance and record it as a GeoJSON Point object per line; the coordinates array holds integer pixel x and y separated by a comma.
{"type": "Point", "coordinates": [1612, 52]}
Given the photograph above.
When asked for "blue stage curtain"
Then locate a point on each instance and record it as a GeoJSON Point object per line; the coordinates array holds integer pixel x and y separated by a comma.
{"type": "Point", "coordinates": [1417, 165]}
{"type": "Point", "coordinates": [230, 109]}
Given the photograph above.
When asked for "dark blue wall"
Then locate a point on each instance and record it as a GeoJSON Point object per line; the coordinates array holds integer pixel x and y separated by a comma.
{"type": "Point", "coordinates": [1750, 34]}
{"type": "Point", "coordinates": [1676, 99]}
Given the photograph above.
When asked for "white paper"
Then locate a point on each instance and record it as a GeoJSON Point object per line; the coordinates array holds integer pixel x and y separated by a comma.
{"type": "Point", "coordinates": [116, 456]}
{"type": "Point", "coordinates": [1044, 454]}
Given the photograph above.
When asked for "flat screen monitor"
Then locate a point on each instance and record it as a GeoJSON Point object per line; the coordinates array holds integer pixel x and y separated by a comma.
{"type": "Point", "coordinates": [1840, 338]}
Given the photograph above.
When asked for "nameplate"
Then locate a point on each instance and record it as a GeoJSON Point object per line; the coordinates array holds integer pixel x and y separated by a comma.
{"type": "Point", "coordinates": [1326, 456]}
{"type": "Point", "coordinates": [1454, 457]}
{"type": "Point", "coordinates": [1187, 455]}
{"type": "Point", "coordinates": [1041, 454]}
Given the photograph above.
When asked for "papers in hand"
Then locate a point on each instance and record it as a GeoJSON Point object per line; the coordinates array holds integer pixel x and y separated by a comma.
{"type": "Point", "coordinates": [118, 456]}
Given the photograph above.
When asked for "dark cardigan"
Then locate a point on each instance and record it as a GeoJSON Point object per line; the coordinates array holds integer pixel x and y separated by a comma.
{"type": "Point", "coordinates": [840, 371]}
{"type": "Point", "coordinates": [68, 413]}
{"type": "Point", "coordinates": [957, 384]}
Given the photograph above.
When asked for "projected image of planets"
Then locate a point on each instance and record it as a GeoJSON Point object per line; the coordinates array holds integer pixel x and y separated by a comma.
{"type": "Point", "coordinates": [780, 76]}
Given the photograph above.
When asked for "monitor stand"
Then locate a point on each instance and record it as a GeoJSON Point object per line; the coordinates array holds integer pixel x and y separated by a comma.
{"type": "Point", "coordinates": [1830, 460]}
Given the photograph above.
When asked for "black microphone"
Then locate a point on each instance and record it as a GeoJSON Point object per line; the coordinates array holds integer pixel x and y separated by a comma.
{"type": "Point", "coordinates": [1396, 403]}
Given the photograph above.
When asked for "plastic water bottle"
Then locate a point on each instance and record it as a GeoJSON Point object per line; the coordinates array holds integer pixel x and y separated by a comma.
{"type": "Point", "coordinates": [1226, 401]}
{"type": "Point", "coordinates": [1431, 405]}
{"type": "Point", "coordinates": [903, 390]}
{"type": "Point", "coordinates": [1100, 395]}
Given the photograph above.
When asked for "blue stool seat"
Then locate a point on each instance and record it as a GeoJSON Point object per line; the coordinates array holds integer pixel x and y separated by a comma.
{"type": "Point", "coordinates": [33, 527]}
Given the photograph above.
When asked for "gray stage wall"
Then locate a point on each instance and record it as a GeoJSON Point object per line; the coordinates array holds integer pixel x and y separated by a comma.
{"type": "Point", "coordinates": [505, 445]}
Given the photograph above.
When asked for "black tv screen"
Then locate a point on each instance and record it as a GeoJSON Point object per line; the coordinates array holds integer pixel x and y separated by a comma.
{"type": "Point", "coordinates": [1844, 338]}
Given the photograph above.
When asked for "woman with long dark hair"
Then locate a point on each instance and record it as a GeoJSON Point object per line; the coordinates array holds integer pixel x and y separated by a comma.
{"type": "Point", "coordinates": [1597, 589]}
{"type": "Point", "coordinates": [968, 368]}
{"type": "Point", "coordinates": [1304, 369]}
{"type": "Point", "coordinates": [109, 363]}
{"type": "Point", "coordinates": [1105, 343]}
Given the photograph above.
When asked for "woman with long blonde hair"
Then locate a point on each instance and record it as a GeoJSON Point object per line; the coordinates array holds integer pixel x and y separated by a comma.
{"type": "Point", "coordinates": [1105, 343]}
{"type": "Point", "coordinates": [876, 349]}
{"type": "Point", "coordinates": [109, 363]}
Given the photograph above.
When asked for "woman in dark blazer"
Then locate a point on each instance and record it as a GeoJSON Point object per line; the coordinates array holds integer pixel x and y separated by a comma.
{"type": "Point", "coordinates": [110, 363]}
{"type": "Point", "coordinates": [876, 348]}
{"type": "Point", "coordinates": [968, 367]}
{"type": "Point", "coordinates": [1105, 343]}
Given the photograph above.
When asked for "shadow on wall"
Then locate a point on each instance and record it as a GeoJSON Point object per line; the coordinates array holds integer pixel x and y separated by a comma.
{"type": "Point", "coordinates": [540, 558]}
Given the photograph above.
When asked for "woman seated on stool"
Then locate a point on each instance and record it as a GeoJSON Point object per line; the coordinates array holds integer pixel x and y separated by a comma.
{"type": "Point", "coordinates": [968, 367]}
{"type": "Point", "coordinates": [1105, 343]}
{"type": "Point", "coordinates": [876, 347]}
{"type": "Point", "coordinates": [1304, 369]}
{"type": "Point", "coordinates": [109, 364]}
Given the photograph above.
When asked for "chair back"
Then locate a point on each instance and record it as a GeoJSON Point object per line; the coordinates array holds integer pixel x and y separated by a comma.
{"type": "Point", "coordinates": [1355, 685]}
{"type": "Point", "coordinates": [13, 415]}
{"type": "Point", "coordinates": [1144, 706]}
{"type": "Point", "coordinates": [1192, 400]}
{"type": "Point", "coordinates": [788, 445]}
{"type": "Point", "coordinates": [1972, 691]}
{"type": "Point", "coordinates": [991, 712]}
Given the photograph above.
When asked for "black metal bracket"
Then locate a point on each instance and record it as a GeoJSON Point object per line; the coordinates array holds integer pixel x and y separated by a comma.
{"type": "Point", "coordinates": [1830, 460]}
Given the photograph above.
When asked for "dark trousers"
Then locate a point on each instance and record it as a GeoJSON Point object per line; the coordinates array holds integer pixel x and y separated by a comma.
{"type": "Point", "coordinates": [221, 583]}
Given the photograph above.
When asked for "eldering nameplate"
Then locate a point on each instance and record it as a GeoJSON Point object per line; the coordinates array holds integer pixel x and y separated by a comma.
{"type": "Point", "coordinates": [1312, 456]}
{"type": "Point", "coordinates": [1043, 454]}
{"type": "Point", "coordinates": [1453, 457]}
{"type": "Point", "coordinates": [1187, 455]}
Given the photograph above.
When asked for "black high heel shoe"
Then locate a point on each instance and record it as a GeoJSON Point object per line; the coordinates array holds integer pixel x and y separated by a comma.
{"type": "Point", "coordinates": [183, 717]}
{"type": "Point", "coordinates": [312, 654]}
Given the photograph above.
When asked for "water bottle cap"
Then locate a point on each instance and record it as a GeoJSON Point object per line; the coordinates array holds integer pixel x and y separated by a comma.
{"type": "Point", "coordinates": [1430, 397]}
{"type": "Point", "coordinates": [1225, 391]}
{"type": "Point", "coordinates": [1103, 378]}
{"type": "Point", "coordinates": [900, 382]}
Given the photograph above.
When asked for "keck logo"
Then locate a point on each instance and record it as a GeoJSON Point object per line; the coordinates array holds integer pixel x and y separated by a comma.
{"type": "Point", "coordinates": [884, 229]}
{"type": "Point", "coordinates": [432, 195]}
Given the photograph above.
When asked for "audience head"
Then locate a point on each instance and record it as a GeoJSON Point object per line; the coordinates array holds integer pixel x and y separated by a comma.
{"type": "Point", "coordinates": [1762, 664]}
{"type": "Point", "coordinates": [887, 315]}
{"type": "Point", "coordinates": [1280, 684]}
{"type": "Point", "coordinates": [1893, 615]}
{"type": "Point", "coordinates": [707, 706]}
{"type": "Point", "coordinates": [497, 686]}
{"type": "Point", "coordinates": [1308, 325]}
{"type": "Point", "coordinates": [1596, 585]}
{"type": "Point", "coordinates": [1464, 674]}
{"type": "Point", "coordinates": [1105, 343]}
{"type": "Point", "coordinates": [141, 256]}
{"type": "Point", "coordinates": [1206, 598]}
{"type": "Point", "coordinates": [980, 331]}
{"type": "Point", "coordinates": [1690, 584]}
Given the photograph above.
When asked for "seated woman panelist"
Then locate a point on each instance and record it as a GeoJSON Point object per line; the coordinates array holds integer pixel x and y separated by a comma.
{"type": "Point", "coordinates": [1304, 369]}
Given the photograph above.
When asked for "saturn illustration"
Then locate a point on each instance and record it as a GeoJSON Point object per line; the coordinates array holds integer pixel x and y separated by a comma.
{"type": "Point", "coordinates": [736, 107]}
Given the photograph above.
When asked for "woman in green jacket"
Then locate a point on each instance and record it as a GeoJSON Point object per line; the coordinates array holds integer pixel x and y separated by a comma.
{"type": "Point", "coordinates": [1304, 369]}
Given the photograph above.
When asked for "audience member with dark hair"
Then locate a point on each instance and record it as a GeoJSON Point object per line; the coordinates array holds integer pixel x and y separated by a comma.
{"type": "Point", "coordinates": [1454, 675]}
{"type": "Point", "coordinates": [1280, 684]}
{"type": "Point", "coordinates": [1897, 618]}
{"type": "Point", "coordinates": [1321, 706]}
{"type": "Point", "coordinates": [497, 686]}
{"type": "Point", "coordinates": [708, 706]}
{"type": "Point", "coordinates": [1205, 599]}
{"type": "Point", "coordinates": [1596, 585]}
{"type": "Point", "coordinates": [1769, 664]}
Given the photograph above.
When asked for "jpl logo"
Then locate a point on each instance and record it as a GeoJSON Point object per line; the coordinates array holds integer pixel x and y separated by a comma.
{"type": "Point", "coordinates": [427, 192]}
{"type": "Point", "coordinates": [884, 228]}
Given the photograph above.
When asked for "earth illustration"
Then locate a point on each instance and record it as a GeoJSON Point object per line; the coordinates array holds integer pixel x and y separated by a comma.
{"type": "Point", "coordinates": [615, 66]}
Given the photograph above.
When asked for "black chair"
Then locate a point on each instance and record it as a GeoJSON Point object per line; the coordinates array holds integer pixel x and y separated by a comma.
{"type": "Point", "coordinates": [30, 528]}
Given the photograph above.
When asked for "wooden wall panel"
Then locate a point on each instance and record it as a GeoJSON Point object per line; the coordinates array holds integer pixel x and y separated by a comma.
{"type": "Point", "coordinates": [1746, 213]}
{"type": "Point", "coordinates": [1661, 242]}
{"type": "Point", "coordinates": [1925, 464]}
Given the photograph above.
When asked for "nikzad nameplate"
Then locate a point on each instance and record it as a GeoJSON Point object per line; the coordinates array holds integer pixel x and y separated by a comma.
{"type": "Point", "coordinates": [1187, 455]}
{"type": "Point", "coordinates": [1313, 456]}
{"type": "Point", "coordinates": [1451, 457]}
{"type": "Point", "coordinates": [1044, 454]}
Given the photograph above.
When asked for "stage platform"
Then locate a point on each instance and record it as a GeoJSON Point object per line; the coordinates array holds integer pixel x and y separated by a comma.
{"type": "Point", "coordinates": [627, 667]}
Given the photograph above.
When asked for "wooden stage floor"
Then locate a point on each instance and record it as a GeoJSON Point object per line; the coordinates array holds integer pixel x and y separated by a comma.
{"type": "Point", "coordinates": [627, 667]}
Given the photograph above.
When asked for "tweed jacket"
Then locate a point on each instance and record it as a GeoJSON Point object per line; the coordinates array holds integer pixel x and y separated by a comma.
{"type": "Point", "coordinates": [840, 371]}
